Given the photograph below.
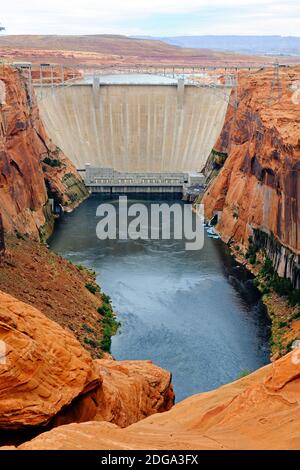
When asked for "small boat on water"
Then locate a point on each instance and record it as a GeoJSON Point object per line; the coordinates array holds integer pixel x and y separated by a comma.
{"type": "Point", "coordinates": [211, 233]}
{"type": "Point", "coordinates": [216, 237]}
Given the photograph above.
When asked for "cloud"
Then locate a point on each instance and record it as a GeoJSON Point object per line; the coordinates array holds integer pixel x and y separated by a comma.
{"type": "Point", "coordinates": [161, 17]}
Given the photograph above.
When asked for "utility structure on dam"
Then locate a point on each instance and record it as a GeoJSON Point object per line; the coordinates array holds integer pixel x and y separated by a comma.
{"type": "Point", "coordinates": [151, 132]}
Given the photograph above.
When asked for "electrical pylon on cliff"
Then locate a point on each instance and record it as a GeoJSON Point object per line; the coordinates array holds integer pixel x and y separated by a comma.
{"type": "Point", "coordinates": [276, 86]}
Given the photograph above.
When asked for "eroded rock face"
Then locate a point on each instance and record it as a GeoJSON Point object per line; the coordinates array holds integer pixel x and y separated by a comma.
{"type": "Point", "coordinates": [260, 411]}
{"type": "Point", "coordinates": [43, 368]}
{"type": "Point", "coordinates": [2, 241]}
{"type": "Point", "coordinates": [132, 390]}
{"type": "Point", "coordinates": [259, 185]}
{"type": "Point", "coordinates": [24, 146]}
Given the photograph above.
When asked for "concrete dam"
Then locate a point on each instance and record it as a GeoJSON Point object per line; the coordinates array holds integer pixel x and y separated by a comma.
{"type": "Point", "coordinates": [153, 126]}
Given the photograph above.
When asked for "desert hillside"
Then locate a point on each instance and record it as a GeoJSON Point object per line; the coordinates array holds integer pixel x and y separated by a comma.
{"type": "Point", "coordinates": [110, 49]}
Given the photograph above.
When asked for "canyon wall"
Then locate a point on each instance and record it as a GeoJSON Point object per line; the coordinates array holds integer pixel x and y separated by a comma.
{"type": "Point", "coordinates": [32, 167]}
{"type": "Point", "coordinates": [2, 240]}
{"type": "Point", "coordinates": [135, 127]}
{"type": "Point", "coordinates": [258, 188]}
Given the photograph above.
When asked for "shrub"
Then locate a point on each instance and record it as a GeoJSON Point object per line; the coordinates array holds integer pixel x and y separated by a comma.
{"type": "Point", "coordinates": [105, 309]}
{"type": "Point", "coordinates": [20, 236]}
{"type": "Point", "coordinates": [289, 346]}
{"type": "Point", "coordinates": [219, 159]}
{"type": "Point", "coordinates": [252, 259]}
{"type": "Point", "coordinates": [294, 298]}
{"type": "Point", "coordinates": [93, 288]}
{"type": "Point", "coordinates": [53, 162]}
{"type": "Point", "coordinates": [296, 316]}
{"type": "Point", "coordinates": [87, 328]}
{"type": "Point", "coordinates": [253, 248]}
{"type": "Point", "coordinates": [267, 269]}
{"type": "Point", "coordinates": [90, 342]}
{"type": "Point", "coordinates": [109, 326]}
{"type": "Point", "coordinates": [105, 343]}
{"type": "Point", "coordinates": [106, 299]}
{"type": "Point", "coordinates": [282, 286]}
{"type": "Point", "coordinates": [265, 290]}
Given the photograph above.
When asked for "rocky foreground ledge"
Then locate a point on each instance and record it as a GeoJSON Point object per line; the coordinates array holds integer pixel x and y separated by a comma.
{"type": "Point", "coordinates": [258, 412]}
{"type": "Point", "coordinates": [48, 380]}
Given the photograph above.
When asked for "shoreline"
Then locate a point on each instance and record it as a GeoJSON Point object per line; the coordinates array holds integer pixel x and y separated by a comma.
{"type": "Point", "coordinates": [285, 319]}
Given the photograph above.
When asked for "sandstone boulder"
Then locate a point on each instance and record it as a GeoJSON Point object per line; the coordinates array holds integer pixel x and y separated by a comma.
{"type": "Point", "coordinates": [132, 390]}
{"type": "Point", "coordinates": [43, 368]}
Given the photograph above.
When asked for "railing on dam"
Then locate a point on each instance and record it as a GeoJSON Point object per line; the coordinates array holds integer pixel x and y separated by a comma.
{"type": "Point", "coordinates": [47, 78]}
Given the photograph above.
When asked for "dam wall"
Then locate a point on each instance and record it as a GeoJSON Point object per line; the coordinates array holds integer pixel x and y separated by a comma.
{"type": "Point", "coordinates": [136, 128]}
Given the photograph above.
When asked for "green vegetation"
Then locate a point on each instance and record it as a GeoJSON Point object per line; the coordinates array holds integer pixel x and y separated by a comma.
{"type": "Point", "coordinates": [20, 236]}
{"type": "Point", "coordinates": [53, 162]}
{"type": "Point", "coordinates": [268, 282]}
{"type": "Point", "coordinates": [90, 342]}
{"type": "Point", "coordinates": [289, 346]}
{"type": "Point", "coordinates": [219, 158]}
{"type": "Point", "coordinates": [92, 287]}
{"type": "Point", "coordinates": [106, 299]}
{"type": "Point", "coordinates": [88, 271]}
{"type": "Point", "coordinates": [296, 316]}
{"type": "Point", "coordinates": [276, 341]}
{"type": "Point", "coordinates": [80, 267]}
{"type": "Point", "coordinates": [109, 323]}
{"type": "Point", "coordinates": [251, 253]}
{"type": "Point", "coordinates": [87, 328]}
{"type": "Point", "coordinates": [105, 309]}
{"type": "Point", "coordinates": [282, 286]}
{"type": "Point", "coordinates": [244, 373]}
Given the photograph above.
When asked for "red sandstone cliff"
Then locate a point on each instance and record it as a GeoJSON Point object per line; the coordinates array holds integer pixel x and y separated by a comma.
{"type": "Point", "coordinates": [2, 239]}
{"type": "Point", "coordinates": [25, 180]}
{"type": "Point", "coordinates": [259, 185]}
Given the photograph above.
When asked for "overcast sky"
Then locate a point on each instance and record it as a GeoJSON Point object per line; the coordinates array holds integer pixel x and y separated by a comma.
{"type": "Point", "coordinates": [151, 17]}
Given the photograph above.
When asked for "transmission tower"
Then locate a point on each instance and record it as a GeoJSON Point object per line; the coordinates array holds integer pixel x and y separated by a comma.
{"type": "Point", "coordinates": [276, 86]}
